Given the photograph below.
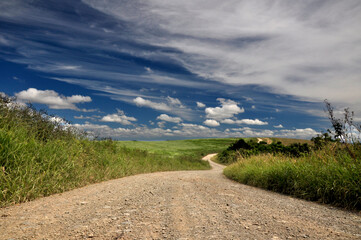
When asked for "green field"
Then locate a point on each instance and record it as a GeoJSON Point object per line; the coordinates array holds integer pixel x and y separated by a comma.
{"type": "Point", "coordinates": [196, 147]}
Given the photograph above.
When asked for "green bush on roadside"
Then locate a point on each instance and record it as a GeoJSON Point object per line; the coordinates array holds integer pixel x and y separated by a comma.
{"type": "Point", "coordinates": [327, 176]}
{"type": "Point", "coordinates": [241, 148]}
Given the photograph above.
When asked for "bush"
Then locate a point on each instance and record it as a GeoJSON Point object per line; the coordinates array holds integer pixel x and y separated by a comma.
{"type": "Point", "coordinates": [244, 149]}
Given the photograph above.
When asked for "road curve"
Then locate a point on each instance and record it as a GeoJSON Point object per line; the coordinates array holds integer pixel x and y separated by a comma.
{"type": "Point", "coordinates": [175, 205]}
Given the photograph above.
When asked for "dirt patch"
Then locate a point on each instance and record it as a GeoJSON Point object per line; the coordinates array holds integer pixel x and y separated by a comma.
{"type": "Point", "coordinates": [175, 205]}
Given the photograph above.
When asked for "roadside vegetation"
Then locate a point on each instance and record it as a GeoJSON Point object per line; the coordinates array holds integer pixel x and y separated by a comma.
{"type": "Point", "coordinates": [40, 156]}
{"type": "Point", "coordinates": [326, 171]}
{"type": "Point", "coordinates": [246, 148]}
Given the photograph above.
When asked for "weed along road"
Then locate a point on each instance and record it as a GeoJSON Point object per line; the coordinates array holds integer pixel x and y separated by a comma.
{"type": "Point", "coordinates": [175, 205]}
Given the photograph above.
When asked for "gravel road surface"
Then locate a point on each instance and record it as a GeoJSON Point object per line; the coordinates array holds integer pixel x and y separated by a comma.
{"type": "Point", "coordinates": [175, 205]}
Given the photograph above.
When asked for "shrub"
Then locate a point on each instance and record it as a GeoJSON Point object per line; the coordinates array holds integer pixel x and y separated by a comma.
{"type": "Point", "coordinates": [244, 149]}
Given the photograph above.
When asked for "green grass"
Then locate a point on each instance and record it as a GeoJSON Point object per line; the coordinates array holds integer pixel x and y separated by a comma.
{"type": "Point", "coordinates": [325, 176]}
{"type": "Point", "coordinates": [193, 147]}
{"type": "Point", "coordinates": [39, 157]}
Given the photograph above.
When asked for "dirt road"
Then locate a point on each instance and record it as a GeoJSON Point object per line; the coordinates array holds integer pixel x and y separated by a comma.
{"type": "Point", "coordinates": [175, 205]}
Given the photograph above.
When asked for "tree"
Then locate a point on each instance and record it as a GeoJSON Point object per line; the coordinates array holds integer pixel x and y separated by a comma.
{"type": "Point", "coordinates": [345, 129]}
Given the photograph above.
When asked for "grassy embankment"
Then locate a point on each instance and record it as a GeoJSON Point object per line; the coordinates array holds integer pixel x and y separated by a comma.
{"type": "Point", "coordinates": [38, 157]}
{"type": "Point", "coordinates": [328, 175]}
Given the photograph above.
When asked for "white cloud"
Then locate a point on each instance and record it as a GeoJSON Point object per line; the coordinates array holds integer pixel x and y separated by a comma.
{"type": "Point", "coordinates": [165, 117]}
{"type": "Point", "coordinates": [175, 102]}
{"type": "Point", "coordinates": [201, 105]}
{"type": "Point", "coordinates": [278, 126]}
{"type": "Point", "coordinates": [52, 99]}
{"type": "Point", "coordinates": [119, 117]}
{"type": "Point", "coordinates": [141, 102]}
{"type": "Point", "coordinates": [187, 130]}
{"type": "Point", "coordinates": [161, 124]}
{"type": "Point", "coordinates": [249, 99]}
{"type": "Point", "coordinates": [58, 120]}
{"type": "Point", "coordinates": [78, 99]}
{"type": "Point", "coordinates": [211, 123]}
{"type": "Point", "coordinates": [93, 117]}
{"type": "Point", "coordinates": [171, 103]}
{"type": "Point", "coordinates": [168, 104]}
{"type": "Point", "coordinates": [298, 133]}
{"type": "Point", "coordinates": [253, 107]}
{"type": "Point", "coordinates": [300, 48]}
{"type": "Point", "coordinates": [228, 109]}
{"type": "Point", "coordinates": [244, 121]}
{"type": "Point", "coordinates": [306, 133]}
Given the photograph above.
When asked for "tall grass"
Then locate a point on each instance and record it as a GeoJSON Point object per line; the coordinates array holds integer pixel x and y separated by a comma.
{"type": "Point", "coordinates": [39, 157]}
{"type": "Point", "coordinates": [328, 175]}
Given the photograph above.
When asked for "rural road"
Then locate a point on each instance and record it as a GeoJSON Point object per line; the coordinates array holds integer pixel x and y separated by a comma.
{"type": "Point", "coordinates": [175, 205]}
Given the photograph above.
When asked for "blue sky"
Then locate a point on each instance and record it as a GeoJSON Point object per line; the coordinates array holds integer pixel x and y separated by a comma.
{"type": "Point", "coordinates": [157, 70]}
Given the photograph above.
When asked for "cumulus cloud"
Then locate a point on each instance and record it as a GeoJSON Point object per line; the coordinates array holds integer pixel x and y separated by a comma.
{"type": "Point", "coordinates": [228, 109]}
{"type": "Point", "coordinates": [161, 124]}
{"type": "Point", "coordinates": [52, 99]}
{"type": "Point", "coordinates": [187, 130]}
{"type": "Point", "coordinates": [167, 104]}
{"type": "Point", "coordinates": [145, 133]}
{"type": "Point", "coordinates": [244, 121]}
{"type": "Point", "coordinates": [165, 117]}
{"type": "Point", "coordinates": [141, 102]}
{"type": "Point", "coordinates": [305, 133]}
{"type": "Point", "coordinates": [201, 105]}
{"type": "Point", "coordinates": [119, 117]}
{"type": "Point", "coordinates": [278, 126]}
{"type": "Point", "coordinates": [211, 123]}
{"type": "Point", "coordinates": [298, 133]}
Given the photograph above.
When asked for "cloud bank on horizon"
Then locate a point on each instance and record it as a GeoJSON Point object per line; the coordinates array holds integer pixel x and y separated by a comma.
{"type": "Point", "coordinates": [184, 69]}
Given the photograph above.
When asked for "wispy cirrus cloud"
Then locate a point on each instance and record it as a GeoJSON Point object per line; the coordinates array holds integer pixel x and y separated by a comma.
{"type": "Point", "coordinates": [302, 49]}
{"type": "Point", "coordinates": [279, 58]}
